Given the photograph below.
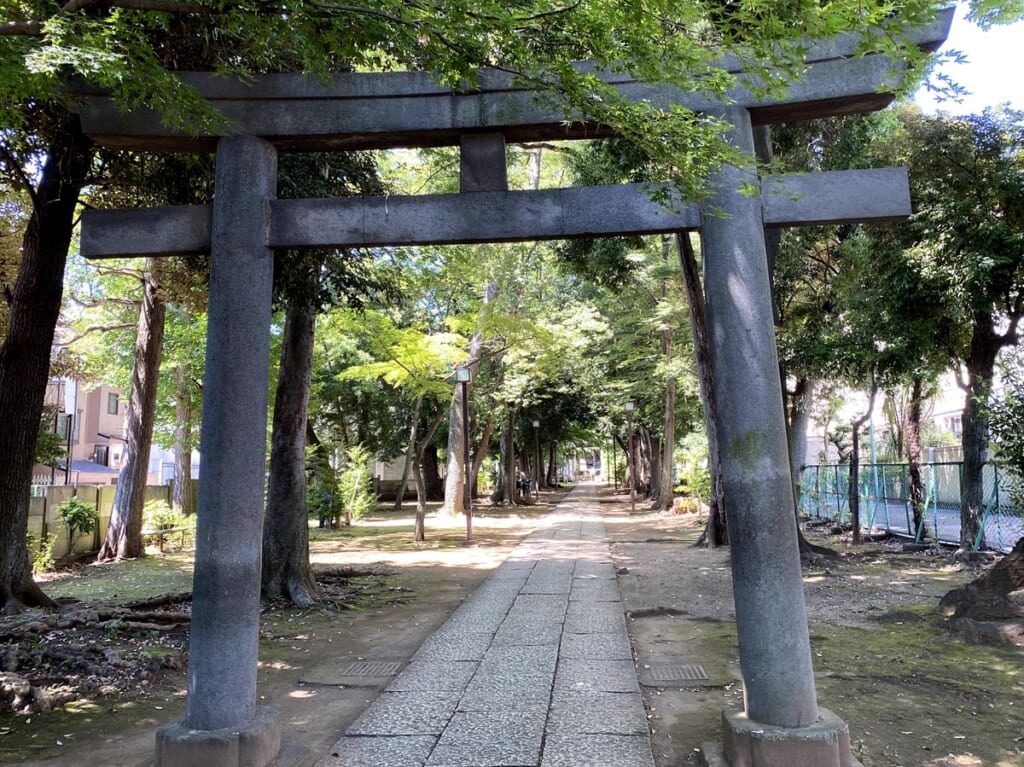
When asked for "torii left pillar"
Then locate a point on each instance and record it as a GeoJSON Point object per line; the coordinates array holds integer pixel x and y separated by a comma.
{"type": "Point", "coordinates": [223, 726]}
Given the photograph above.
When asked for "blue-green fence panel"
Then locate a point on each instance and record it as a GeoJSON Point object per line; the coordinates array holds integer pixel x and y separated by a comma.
{"type": "Point", "coordinates": [884, 494]}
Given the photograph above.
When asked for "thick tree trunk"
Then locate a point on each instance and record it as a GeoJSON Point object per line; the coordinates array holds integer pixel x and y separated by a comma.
{"type": "Point", "coordinates": [124, 533]}
{"type": "Point", "coordinates": [1003, 579]}
{"type": "Point", "coordinates": [182, 497]}
{"type": "Point", "coordinates": [34, 303]}
{"type": "Point", "coordinates": [980, 363]}
{"type": "Point", "coordinates": [286, 568]}
{"type": "Point", "coordinates": [915, 482]}
{"type": "Point", "coordinates": [716, 533]}
{"type": "Point", "coordinates": [432, 474]}
{"type": "Point", "coordinates": [799, 421]}
{"type": "Point", "coordinates": [410, 455]}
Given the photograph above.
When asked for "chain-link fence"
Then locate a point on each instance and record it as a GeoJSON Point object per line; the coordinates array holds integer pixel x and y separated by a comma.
{"type": "Point", "coordinates": [885, 502]}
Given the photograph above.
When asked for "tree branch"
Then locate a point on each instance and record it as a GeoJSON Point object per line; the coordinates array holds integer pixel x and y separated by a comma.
{"type": "Point", "coordinates": [21, 178]}
{"type": "Point", "coordinates": [35, 28]}
{"type": "Point", "coordinates": [93, 329]}
{"type": "Point", "coordinates": [102, 302]}
{"type": "Point", "coordinates": [106, 271]}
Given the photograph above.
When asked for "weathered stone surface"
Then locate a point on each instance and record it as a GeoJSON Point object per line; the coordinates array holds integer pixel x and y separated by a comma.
{"type": "Point", "coordinates": [255, 744]}
{"type": "Point", "coordinates": [813, 199]}
{"type": "Point", "coordinates": [379, 751]}
{"type": "Point", "coordinates": [378, 110]}
{"type": "Point", "coordinates": [748, 743]}
{"type": "Point", "coordinates": [771, 620]}
{"type": "Point", "coordinates": [572, 750]}
{"type": "Point", "coordinates": [223, 645]}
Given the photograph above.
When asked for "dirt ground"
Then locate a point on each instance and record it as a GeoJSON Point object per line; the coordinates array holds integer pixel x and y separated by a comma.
{"type": "Point", "coordinates": [911, 693]}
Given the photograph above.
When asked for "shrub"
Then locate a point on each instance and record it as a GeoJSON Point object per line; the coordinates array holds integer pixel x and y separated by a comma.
{"type": "Point", "coordinates": [158, 515]}
{"type": "Point", "coordinates": [41, 551]}
{"type": "Point", "coordinates": [355, 484]}
{"type": "Point", "coordinates": [79, 518]}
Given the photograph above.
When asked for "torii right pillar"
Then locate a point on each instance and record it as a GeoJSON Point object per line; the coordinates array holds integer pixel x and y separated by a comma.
{"type": "Point", "coordinates": [781, 723]}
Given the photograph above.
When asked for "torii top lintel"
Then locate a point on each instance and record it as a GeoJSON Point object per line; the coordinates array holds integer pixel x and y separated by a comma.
{"type": "Point", "coordinates": [381, 110]}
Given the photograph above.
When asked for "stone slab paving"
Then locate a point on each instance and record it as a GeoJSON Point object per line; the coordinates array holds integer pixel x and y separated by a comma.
{"type": "Point", "coordinates": [534, 669]}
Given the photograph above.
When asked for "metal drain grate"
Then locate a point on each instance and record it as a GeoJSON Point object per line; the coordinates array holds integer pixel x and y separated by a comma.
{"type": "Point", "coordinates": [371, 668]}
{"type": "Point", "coordinates": [676, 672]}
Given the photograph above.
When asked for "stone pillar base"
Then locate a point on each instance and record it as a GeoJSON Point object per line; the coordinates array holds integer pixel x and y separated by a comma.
{"type": "Point", "coordinates": [746, 743]}
{"type": "Point", "coordinates": [255, 744]}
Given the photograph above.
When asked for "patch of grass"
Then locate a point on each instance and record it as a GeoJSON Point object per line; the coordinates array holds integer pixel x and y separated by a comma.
{"type": "Point", "coordinates": [124, 581]}
{"type": "Point", "coordinates": [915, 688]}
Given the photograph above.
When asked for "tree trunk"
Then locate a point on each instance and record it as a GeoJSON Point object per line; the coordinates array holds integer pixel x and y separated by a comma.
{"type": "Point", "coordinates": [124, 533]}
{"type": "Point", "coordinates": [667, 493]}
{"type": "Point", "coordinates": [853, 491]}
{"type": "Point", "coordinates": [431, 473]}
{"type": "Point", "coordinates": [652, 461]}
{"type": "Point", "coordinates": [481, 453]}
{"type": "Point", "coordinates": [34, 304]}
{"type": "Point", "coordinates": [182, 497]}
{"type": "Point", "coordinates": [1003, 579]}
{"type": "Point", "coordinates": [980, 363]}
{"type": "Point", "coordinates": [665, 484]}
{"type": "Point", "coordinates": [915, 482]}
{"type": "Point", "coordinates": [716, 533]}
{"type": "Point", "coordinates": [422, 491]}
{"type": "Point", "coordinates": [286, 568]}
{"type": "Point", "coordinates": [505, 486]}
{"type": "Point", "coordinates": [552, 472]}
{"type": "Point", "coordinates": [410, 454]}
{"type": "Point", "coordinates": [458, 433]}
{"type": "Point", "coordinates": [799, 421]}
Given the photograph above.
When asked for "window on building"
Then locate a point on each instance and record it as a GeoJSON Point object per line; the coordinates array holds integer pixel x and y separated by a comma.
{"type": "Point", "coordinates": [112, 403]}
{"type": "Point", "coordinates": [102, 455]}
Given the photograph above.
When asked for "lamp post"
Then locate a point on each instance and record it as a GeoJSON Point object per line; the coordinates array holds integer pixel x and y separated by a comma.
{"type": "Point", "coordinates": [464, 375]}
{"type": "Point", "coordinates": [536, 459]}
{"type": "Point", "coordinates": [630, 407]}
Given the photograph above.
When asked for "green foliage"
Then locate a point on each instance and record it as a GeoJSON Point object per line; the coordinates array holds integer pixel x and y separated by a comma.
{"type": "Point", "coordinates": [79, 517]}
{"type": "Point", "coordinates": [1006, 421]}
{"type": "Point", "coordinates": [41, 551]}
{"type": "Point", "coordinates": [355, 482]}
{"type": "Point", "coordinates": [158, 515]}
{"type": "Point", "coordinates": [693, 458]}
{"type": "Point", "coordinates": [50, 446]}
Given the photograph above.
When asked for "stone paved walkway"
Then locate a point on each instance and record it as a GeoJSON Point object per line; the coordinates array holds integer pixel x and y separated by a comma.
{"type": "Point", "coordinates": [533, 670]}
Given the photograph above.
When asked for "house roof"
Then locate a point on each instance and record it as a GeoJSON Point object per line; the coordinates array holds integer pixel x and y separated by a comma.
{"type": "Point", "coordinates": [90, 467]}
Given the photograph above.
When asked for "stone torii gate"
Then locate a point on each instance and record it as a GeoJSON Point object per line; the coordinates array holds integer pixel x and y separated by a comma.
{"type": "Point", "coordinates": [223, 725]}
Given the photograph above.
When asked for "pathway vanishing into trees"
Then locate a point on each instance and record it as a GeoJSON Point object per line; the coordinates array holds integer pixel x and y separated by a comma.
{"type": "Point", "coordinates": [535, 668]}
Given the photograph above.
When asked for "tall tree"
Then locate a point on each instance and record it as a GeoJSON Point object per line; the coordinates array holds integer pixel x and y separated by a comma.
{"type": "Point", "coordinates": [306, 283]}
{"type": "Point", "coordinates": [967, 237]}
{"type": "Point", "coordinates": [124, 533]}
{"type": "Point", "coordinates": [64, 155]}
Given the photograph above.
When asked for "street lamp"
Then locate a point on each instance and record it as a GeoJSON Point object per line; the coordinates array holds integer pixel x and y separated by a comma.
{"type": "Point", "coordinates": [464, 375]}
{"type": "Point", "coordinates": [630, 407]}
{"type": "Point", "coordinates": [536, 453]}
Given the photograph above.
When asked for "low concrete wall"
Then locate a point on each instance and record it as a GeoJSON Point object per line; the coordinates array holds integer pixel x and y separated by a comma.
{"type": "Point", "coordinates": [43, 519]}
